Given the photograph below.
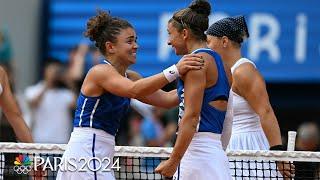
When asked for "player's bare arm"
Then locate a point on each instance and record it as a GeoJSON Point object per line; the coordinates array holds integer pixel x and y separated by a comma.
{"type": "Point", "coordinates": [195, 82]}
{"type": "Point", "coordinates": [12, 111]}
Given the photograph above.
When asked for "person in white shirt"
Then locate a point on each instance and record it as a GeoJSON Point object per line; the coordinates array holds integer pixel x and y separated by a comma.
{"type": "Point", "coordinates": [255, 126]}
{"type": "Point", "coordinates": [51, 105]}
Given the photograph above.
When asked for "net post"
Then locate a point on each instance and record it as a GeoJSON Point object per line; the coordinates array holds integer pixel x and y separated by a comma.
{"type": "Point", "coordinates": [291, 140]}
{"type": "Point", "coordinates": [291, 143]}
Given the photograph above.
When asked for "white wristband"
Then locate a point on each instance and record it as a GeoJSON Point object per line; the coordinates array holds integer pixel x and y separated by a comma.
{"type": "Point", "coordinates": [171, 73]}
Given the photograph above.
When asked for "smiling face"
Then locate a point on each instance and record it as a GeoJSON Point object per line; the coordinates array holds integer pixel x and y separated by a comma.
{"type": "Point", "coordinates": [177, 40]}
{"type": "Point", "coordinates": [125, 48]}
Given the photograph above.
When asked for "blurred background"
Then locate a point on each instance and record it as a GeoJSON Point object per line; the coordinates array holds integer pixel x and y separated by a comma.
{"type": "Point", "coordinates": [43, 48]}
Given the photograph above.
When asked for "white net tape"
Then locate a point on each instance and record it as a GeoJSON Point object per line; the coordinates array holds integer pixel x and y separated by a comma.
{"type": "Point", "coordinates": [132, 151]}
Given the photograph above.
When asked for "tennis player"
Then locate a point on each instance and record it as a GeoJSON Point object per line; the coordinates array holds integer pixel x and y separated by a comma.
{"type": "Point", "coordinates": [255, 126]}
{"type": "Point", "coordinates": [105, 97]}
{"type": "Point", "coordinates": [198, 152]}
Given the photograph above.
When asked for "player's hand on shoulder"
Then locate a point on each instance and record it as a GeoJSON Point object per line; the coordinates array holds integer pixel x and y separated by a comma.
{"type": "Point", "coordinates": [190, 62]}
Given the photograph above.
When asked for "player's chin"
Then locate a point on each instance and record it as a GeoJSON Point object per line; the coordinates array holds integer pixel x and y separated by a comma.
{"type": "Point", "coordinates": [179, 53]}
{"type": "Point", "coordinates": [133, 60]}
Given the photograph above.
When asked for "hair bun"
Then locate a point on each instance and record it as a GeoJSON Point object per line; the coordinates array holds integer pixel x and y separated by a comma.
{"type": "Point", "coordinates": [96, 25]}
{"type": "Point", "coordinates": [201, 7]}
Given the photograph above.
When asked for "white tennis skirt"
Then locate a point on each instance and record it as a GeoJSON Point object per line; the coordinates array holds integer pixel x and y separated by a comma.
{"type": "Point", "coordinates": [204, 159]}
{"type": "Point", "coordinates": [246, 170]}
{"type": "Point", "coordinates": [88, 147]}
{"type": "Point", "coordinates": [248, 140]}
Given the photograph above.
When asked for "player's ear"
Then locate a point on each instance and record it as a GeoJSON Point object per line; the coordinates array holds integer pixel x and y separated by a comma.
{"type": "Point", "coordinates": [110, 48]}
{"type": "Point", "coordinates": [185, 33]}
{"type": "Point", "coordinates": [225, 41]}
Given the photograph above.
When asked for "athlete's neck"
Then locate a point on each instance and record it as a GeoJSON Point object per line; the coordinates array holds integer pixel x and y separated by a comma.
{"type": "Point", "coordinates": [120, 67]}
{"type": "Point", "coordinates": [193, 45]}
{"type": "Point", "coordinates": [230, 57]}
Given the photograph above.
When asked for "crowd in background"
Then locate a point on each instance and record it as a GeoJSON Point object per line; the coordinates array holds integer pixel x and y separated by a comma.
{"type": "Point", "coordinates": [49, 104]}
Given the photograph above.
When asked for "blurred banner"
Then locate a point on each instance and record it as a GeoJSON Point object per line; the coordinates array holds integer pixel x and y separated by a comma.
{"type": "Point", "coordinates": [284, 35]}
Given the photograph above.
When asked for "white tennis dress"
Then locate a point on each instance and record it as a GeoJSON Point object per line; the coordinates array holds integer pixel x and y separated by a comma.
{"type": "Point", "coordinates": [247, 134]}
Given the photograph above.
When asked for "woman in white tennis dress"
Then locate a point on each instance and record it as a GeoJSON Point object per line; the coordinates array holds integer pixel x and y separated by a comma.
{"type": "Point", "coordinates": [255, 126]}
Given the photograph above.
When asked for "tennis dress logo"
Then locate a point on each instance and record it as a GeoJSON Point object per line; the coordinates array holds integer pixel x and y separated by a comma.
{"type": "Point", "coordinates": [181, 109]}
{"type": "Point", "coordinates": [22, 164]}
{"type": "Point", "coordinates": [181, 106]}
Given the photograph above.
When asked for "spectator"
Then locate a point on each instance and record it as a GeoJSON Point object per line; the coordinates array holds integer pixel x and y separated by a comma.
{"type": "Point", "coordinates": [308, 137]}
{"type": "Point", "coordinates": [134, 129]}
{"type": "Point", "coordinates": [5, 49]}
{"type": "Point", "coordinates": [152, 129]}
{"type": "Point", "coordinates": [152, 132]}
{"type": "Point", "coordinates": [81, 59]}
{"type": "Point", "coordinates": [139, 111]}
{"type": "Point", "coordinates": [158, 126]}
{"type": "Point", "coordinates": [170, 121]}
{"type": "Point", "coordinates": [51, 103]}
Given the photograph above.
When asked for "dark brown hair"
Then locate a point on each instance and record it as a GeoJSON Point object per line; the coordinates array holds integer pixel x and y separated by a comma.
{"type": "Point", "coordinates": [194, 17]}
{"type": "Point", "coordinates": [103, 27]}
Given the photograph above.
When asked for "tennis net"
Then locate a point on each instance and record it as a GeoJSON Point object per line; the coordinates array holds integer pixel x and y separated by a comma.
{"type": "Point", "coordinates": [17, 161]}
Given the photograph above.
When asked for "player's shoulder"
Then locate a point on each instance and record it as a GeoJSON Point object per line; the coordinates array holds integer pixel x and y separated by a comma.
{"type": "Point", "coordinates": [210, 65]}
{"type": "Point", "coordinates": [242, 76]}
{"type": "Point", "coordinates": [101, 70]}
{"type": "Point", "coordinates": [205, 55]}
{"type": "Point", "coordinates": [247, 75]}
{"type": "Point", "coordinates": [245, 69]}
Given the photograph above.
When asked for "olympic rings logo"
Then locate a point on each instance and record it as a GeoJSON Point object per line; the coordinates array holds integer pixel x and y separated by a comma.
{"type": "Point", "coordinates": [22, 169]}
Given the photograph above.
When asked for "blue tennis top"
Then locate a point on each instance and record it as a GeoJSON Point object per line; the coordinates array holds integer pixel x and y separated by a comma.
{"type": "Point", "coordinates": [102, 112]}
{"type": "Point", "coordinates": [211, 119]}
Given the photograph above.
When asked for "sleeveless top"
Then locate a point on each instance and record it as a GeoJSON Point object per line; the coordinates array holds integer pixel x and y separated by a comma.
{"type": "Point", "coordinates": [211, 119]}
{"type": "Point", "coordinates": [102, 112]}
{"type": "Point", "coordinates": [244, 118]}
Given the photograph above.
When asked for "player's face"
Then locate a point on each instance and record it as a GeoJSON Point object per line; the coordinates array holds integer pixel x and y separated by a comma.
{"type": "Point", "coordinates": [176, 40]}
{"type": "Point", "coordinates": [215, 43]}
{"type": "Point", "coordinates": [126, 46]}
